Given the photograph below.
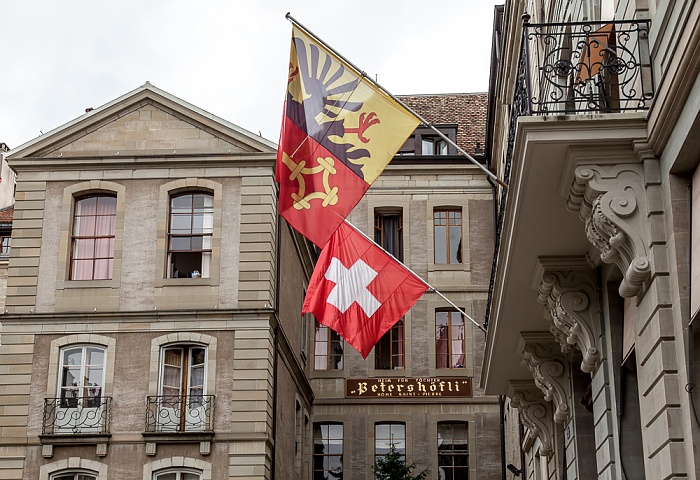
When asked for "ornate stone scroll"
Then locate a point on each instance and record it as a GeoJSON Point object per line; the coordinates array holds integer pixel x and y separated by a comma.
{"type": "Point", "coordinates": [568, 290]}
{"type": "Point", "coordinates": [612, 202]}
{"type": "Point", "coordinates": [535, 413]}
{"type": "Point", "coordinates": [541, 354]}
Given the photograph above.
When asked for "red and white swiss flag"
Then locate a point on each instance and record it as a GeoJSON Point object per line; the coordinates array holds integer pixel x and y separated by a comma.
{"type": "Point", "coordinates": [358, 290]}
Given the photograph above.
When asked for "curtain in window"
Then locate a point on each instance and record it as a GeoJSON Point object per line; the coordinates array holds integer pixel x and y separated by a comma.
{"type": "Point", "coordinates": [94, 225]}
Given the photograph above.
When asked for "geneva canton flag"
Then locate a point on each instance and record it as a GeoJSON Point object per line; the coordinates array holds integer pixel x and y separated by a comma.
{"type": "Point", "coordinates": [338, 134]}
{"type": "Point", "coordinates": [358, 290]}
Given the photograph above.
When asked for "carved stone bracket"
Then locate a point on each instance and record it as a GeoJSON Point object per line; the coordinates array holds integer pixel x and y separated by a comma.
{"type": "Point", "coordinates": [568, 290]}
{"type": "Point", "coordinates": [541, 354]}
{"type": "Point", "coordinates": [612, 202]}
{"type": "Point", "coordinates": [535, 413]}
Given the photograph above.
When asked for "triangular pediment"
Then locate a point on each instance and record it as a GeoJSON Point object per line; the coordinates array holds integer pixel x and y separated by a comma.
{"type": "Point", "coordinates": [146, 121]}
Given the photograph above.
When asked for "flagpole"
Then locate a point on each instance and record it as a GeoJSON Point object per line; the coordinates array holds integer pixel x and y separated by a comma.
{"type": "Point", "coordinates": [389, 94]}
{"type": "Point", "coordinates": [430, 287]}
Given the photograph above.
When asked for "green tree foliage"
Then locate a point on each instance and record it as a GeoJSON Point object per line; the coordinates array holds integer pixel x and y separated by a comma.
{"type": "Point", "coordinates": [392, 466]}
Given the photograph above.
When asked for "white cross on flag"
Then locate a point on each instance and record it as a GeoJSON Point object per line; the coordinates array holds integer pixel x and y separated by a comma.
{"type": "Point", "coordinates": [358, 290]}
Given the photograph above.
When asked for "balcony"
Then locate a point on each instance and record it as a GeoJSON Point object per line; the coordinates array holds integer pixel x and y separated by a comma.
{"type": "Point", "coordinates": [180, 414]}
{"type": "Point", "coordinates": [585, 67]}
{"type": "Point", "coordinates": [580, 92]}
{"type": "Point", "coordinates": [87, 416]}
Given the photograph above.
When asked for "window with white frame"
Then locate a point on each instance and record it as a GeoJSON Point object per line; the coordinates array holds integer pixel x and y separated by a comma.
{"type": "Point", "coordinates": [190, 230]}
{"type": "Point", "coordinates": [82, 375]}
{"type": "Point", "coordinates": [178, 474]}
{"type": "Point", "coordinates": [74, 475]}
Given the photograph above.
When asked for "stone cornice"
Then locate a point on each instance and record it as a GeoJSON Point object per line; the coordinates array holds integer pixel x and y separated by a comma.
{"type": "Point", "coordinates": [571, 299]}
{"type": "Point", "coordinates": [535, 413]}
{"type": "Point", "coordinates": [541, 354]}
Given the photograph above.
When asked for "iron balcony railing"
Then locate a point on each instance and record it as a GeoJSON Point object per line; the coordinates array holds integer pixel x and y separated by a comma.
{"type": "Point", "coordinates": [180, 414]}
{"type": "Point", "coordinates": [72, 416]}
{"type": "Point", "coordinates": [575, 68]}
{"type": "Point", "coordinates": [587, 66]}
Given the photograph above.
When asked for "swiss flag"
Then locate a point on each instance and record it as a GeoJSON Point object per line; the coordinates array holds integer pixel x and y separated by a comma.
{"type": "Point", "coordinates": [358, 290]}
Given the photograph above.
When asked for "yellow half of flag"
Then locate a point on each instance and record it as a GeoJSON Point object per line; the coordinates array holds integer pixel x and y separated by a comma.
{"type": "Point", "coordinates": [341, 110]}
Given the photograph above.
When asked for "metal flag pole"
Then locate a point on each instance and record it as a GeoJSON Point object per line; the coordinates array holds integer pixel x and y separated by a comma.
{"type": "Point", "coordinates": [430, 287]}
{"type": "Point", "coordinates": [364, 75]}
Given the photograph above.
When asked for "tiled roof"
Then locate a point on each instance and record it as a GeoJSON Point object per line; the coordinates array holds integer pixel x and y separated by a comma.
{"type": "Point", "coordinates": [468, 110]}
{"type": "Point", "coordinates": [6, 214]}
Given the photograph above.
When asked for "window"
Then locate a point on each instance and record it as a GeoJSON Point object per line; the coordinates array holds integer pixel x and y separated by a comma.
{"type": "Point", "coordinates": [298, 438]}
{"type": "Point", "coordinates": [178, 474]}
{"type": "Point", "coordinates": [94, 223]}
{"type": "Point", "coordinates": [449, 339]}
{"type": "Point", "coordinates": [82, 376]}
{"type": "Point", "coordinates": [328, 349]}
{"type": "Point", "coordinates": [4, 247]}
{"type": "Point", "coordinates": [386, 434]}
{"type": "Point", "coordinates": [389, 351]}
{"type": "Point", "coordinates": [328, 451]}
{"type": "Point", "coordinates": [447, 227]}
{"type": "Point", "coordinates": [83, 475]}
{"type": "Point", "coordinates": [80, 406]}
{"type": "Point", "coordinates": [388, 233]}
{"type": "Point", "coordinates": [190, 235]}
{"type": "Point", "coordinates": [183, 404]}
{"type": "Point", "coordinates": [453, 452]}
{"type": "Point", "coordinates": [433, 146]}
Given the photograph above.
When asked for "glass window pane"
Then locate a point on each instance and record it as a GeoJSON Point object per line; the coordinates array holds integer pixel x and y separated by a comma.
{"type": "Point", "coordinates": [105, 226]}
{"type": "Point", "coordinates": [106, 205]}
{"type": "Point", "coordinates": [440, 245]}
{"type": "Point", "coordinates": [103, 269]}
{"type": "Point", "coordinates": [180, 243]}
{"type": "Point", "coordinates": [455, 244]}
{"type": "Point", "coordinates": [181, 202]}
{"type": "Point", "coordinates": [86, 206]}
{"type": "Point", "coordinates": [73, 356]}
{"type": "Point", "coordinates": [84, 226]}
{"type": "Point", "coordinates": [94, 377]}
{"type": "Point", "coordinates": [190, 476]}
{"type": "Point", "coordinates": [95, 356]}
{"type": "Point", "coordinates": [104, 248]}
{"type": "Point", "coordinates": [83, 248]}
{"type": "Point", "coordinates": [181, 224]}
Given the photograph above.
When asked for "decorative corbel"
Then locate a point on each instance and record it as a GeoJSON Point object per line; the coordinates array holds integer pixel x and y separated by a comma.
{"type": "Point", "coordinates": [541, 354]}
{"type": "Point", "coordinates": [568, 290]}
{"type": "Point", "coordinates": [611, 200]}
{"type": "Point", "coordinates": [535, 413]}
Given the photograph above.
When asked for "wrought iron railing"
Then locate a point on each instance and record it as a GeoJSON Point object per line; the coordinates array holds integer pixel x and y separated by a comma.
{"type": "Point", "coordinates": [72, 416]}
{"type": "Point", "coordinates": [587, 66]}
{"type": "Point", "coordinates": [179, 414]}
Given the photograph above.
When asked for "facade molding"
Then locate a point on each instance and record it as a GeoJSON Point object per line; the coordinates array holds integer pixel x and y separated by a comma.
{"type": "Point", "coordinates": [611, 200]}
{"type": "Point", "coordinates": [568, 290]}
{"type": "Point", "coordinates": [73, 463]}
{"type": "Point", "coordinates": [535, 413]}
{"type": "Point", "coordinates": [542, 355]}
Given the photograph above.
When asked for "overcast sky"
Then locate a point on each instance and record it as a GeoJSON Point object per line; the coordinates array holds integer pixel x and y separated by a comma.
{"type": "Point", "coordinates": [227, 57]}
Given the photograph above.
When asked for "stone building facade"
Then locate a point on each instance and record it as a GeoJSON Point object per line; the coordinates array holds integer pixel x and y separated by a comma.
{"type": "Point", "coordinates": [432, 209]}
{"type": "Point", "coordinates": [591, 320]}
{"type": "Point", "coordinates": [151, 326]}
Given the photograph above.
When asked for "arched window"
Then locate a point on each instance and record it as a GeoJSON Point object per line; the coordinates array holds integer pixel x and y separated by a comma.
{"type": "Point", "coordinates": [190, 232]}
{"type": "Point", "coordinates": [178, 474]}
{"type": "Point", "coordinates": [92, 240]}
{"type": "Point", "coordinates": [75, 475]}
{"type": "Point", "coordinates": [80, 406]}
{"type": "Point", "coordinates": [182, 404]}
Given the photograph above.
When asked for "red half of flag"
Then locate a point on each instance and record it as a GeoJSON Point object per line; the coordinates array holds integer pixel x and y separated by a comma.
{"type": "Point", "coordinates": [358, 290]}
{"type": "Point", "coordinates": [317, 191]}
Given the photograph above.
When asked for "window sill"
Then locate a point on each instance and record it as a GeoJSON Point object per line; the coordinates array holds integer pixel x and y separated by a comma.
{"type": "Point", "coordinates": [177, 437]}
{"type": "Point", "coordinates": [186, 282]}
{"type": "Point", "coordinates": [74, 438]}
{"type": "Point", "coordinates": [68, 284]}
{"type": "Point", "coordinates": [447, 267]}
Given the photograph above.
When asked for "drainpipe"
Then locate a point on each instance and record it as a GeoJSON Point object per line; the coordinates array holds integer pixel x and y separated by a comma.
{"type": "Point", "coordinates": [276, 345]}
{"type": "Point", "coordinates": [502, 410]}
